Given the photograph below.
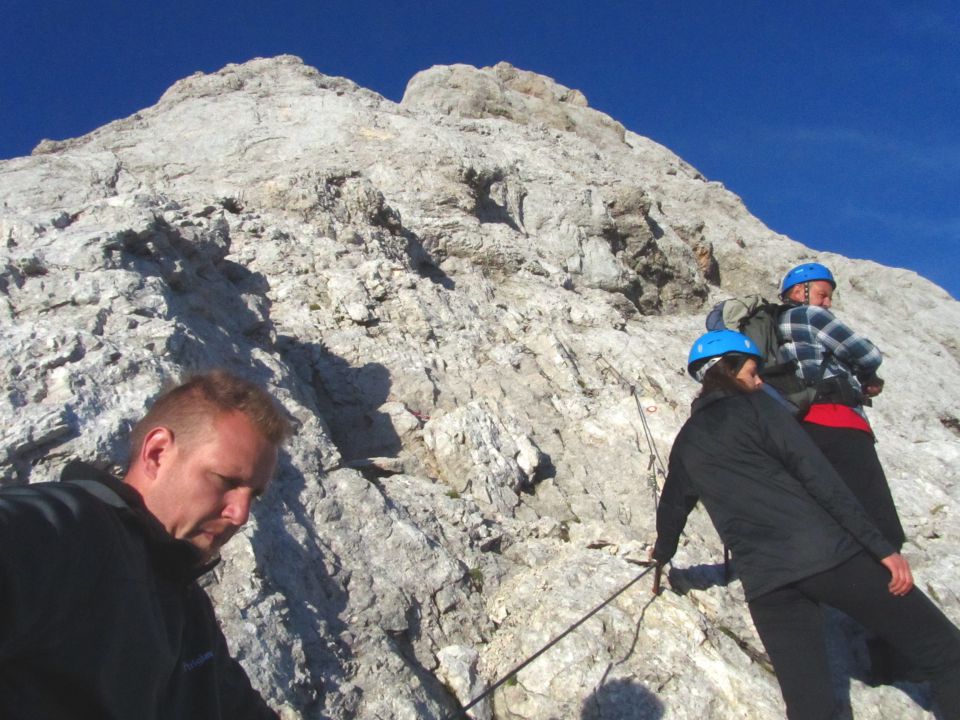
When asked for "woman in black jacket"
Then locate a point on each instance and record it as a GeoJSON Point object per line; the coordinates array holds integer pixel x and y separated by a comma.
{"type": "Point", "coordinates": [797, 534]}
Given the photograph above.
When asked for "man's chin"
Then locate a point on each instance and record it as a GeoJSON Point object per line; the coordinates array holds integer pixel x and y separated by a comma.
{"type": "Point", "coordinates": [208, 544]}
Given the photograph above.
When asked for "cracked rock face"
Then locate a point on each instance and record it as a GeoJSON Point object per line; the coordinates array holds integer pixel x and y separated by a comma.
{"type": "Point", "coordinates": [476, 304]}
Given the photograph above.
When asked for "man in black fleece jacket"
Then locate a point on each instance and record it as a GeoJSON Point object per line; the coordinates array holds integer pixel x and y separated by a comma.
{"type": "Point", "coordinates": [101, 615]}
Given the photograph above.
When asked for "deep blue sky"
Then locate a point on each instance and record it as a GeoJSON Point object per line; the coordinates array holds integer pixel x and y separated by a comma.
{"type": "Point", "coordinates": [837, 122]}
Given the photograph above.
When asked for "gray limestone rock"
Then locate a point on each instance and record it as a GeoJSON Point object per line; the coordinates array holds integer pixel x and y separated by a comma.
{"type": "Point", "coordinates": [477, 453]}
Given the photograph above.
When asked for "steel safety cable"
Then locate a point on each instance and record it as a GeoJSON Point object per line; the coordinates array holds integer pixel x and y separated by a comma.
{"type": "Point", "coordinates": [462, 713]}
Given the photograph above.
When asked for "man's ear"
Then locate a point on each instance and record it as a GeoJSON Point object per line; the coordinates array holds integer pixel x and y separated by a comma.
{"type": "Point", "coordinates": [156, 449]}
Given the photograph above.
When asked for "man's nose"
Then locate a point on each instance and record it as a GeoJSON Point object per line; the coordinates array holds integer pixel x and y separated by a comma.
{"type": "Point", "coordinates": [237, 510]}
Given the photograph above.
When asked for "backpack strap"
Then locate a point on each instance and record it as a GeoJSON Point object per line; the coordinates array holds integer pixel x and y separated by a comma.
{"type": "Point", "coordinates": [99, 491]}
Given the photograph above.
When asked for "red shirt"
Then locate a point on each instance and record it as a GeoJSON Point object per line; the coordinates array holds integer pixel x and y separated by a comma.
{"type": "Point", "coordinates": [835, 415]}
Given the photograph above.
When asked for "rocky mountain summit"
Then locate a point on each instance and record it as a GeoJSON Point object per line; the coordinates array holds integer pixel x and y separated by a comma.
{"type": "Point", "coordinates": [476, 305]}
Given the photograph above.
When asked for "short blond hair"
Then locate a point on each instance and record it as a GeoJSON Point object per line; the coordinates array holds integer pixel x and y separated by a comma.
{"type": "Point", "coordinates": [190, 408]}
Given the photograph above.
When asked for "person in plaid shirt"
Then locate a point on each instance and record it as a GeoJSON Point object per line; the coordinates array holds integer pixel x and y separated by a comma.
{"type": "Point", "coordinates": [825, 348]}
{"type": "Point", "coordinates": [843, 365]}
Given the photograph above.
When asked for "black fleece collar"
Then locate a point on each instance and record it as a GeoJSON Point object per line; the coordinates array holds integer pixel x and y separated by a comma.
{"type": "Point", "coordinates": [176, 558]}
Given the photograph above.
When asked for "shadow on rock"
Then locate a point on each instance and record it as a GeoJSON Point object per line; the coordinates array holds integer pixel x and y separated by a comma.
{"type": "Point", "coordinates": [700, 577]}
{"type": "Point", "coordinates": [349, 398]}
{"type": "Point", "coordinates": [428, 269]}
{"type": "Point", "coordinates": [622, 699]}
{"type": "Point", "coordinates": [297, 566]}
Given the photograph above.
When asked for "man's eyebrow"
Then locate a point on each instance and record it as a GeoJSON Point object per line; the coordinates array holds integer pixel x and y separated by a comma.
{"type": "Point", "coordinates": [237, 482]}
{"type": "Point", "coordinates": [227, 475]}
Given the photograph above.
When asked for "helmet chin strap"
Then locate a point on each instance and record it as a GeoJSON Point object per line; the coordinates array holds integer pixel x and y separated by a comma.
{"type": "Point", "coordinates": [702, 370]}
{"type": "Point", "coordinates": [806, 293]}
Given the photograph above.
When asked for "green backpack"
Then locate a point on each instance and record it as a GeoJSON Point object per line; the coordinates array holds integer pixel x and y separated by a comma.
{"type": "Point", "coordinates": [757, 318]}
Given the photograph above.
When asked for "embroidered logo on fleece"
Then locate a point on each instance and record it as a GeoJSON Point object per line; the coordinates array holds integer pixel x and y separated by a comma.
{"type": "Point", "coordinates": [189, 665]}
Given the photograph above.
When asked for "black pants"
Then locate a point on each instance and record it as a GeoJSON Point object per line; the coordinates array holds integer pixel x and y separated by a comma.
{"type": "Point", "coordinates": [790, 623]}
{"type": "Point", "coordinates": [853, 455]}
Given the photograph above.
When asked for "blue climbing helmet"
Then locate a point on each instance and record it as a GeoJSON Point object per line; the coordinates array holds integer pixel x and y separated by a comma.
{"type": "Point", "coordinates": [808, 272]}
{"type": "Point", "coordinates": [710, 347]}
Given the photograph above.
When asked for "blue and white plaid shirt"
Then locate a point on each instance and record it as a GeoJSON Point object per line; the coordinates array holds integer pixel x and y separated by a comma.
{"type": "Point", "coordinates": [808, 331]}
